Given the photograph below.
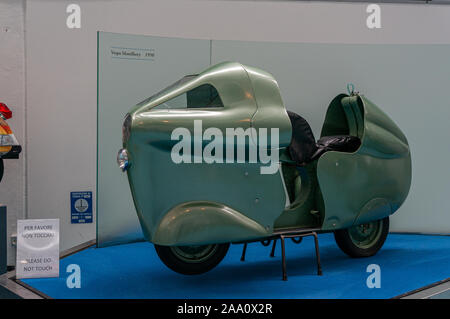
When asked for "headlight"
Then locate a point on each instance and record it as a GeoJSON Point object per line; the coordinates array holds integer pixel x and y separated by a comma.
{"type": "Point", "coordinates": [122, 159]}
{"type": "Point", "coordinates": [126, 128]}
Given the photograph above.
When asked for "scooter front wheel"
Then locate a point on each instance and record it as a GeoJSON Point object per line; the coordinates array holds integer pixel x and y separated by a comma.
{"type": "Point", "coordinates": [192, 260]}
{"type": "Point", "coordinates": [363, 240]}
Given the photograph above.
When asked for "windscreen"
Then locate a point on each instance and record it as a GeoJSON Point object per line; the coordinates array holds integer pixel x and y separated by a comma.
{"type": "Point", "coordinates": [167, 89]}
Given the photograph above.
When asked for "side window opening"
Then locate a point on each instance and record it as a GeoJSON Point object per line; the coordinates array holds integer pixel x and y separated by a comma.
{"type": "Point", "coordinates": [203, 96]}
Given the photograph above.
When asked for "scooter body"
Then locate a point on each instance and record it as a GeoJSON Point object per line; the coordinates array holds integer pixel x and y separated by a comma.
{"type": "Point", "coordinates": [189, 152]}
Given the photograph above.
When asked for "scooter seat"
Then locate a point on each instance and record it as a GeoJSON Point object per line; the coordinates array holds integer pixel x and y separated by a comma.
{"type": "Point", "coordinates": [304, 148]}
{"type": "Point", "coordinates": [339, 143]}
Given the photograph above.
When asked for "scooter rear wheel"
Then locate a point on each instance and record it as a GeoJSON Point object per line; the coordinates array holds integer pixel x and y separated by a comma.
{"type": "Point", "coordinates": [192, 260]}
{"type": "Point", "coordinates": [363, 240]}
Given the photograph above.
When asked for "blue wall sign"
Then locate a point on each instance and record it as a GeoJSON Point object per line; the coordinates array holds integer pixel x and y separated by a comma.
{"type": "Point", "coordinates": [80, 207]}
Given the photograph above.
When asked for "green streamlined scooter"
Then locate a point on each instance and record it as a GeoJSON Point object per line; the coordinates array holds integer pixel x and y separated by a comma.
{"type": "Point", "coordinates": [215, 159]}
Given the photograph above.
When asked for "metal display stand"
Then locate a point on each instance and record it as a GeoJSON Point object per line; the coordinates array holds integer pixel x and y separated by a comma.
{"type": "Point", "coordinates": [3, 238]}
{"type": "Point", "coordinates": [296, 236]}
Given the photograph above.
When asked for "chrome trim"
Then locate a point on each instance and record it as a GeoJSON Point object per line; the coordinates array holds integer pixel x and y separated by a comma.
{"type": "Point", "coordinates": [122, 159]}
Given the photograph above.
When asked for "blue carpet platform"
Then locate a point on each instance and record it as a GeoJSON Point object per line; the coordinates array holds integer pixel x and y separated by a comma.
{"type": "Point", "coordinates": [407, 262]}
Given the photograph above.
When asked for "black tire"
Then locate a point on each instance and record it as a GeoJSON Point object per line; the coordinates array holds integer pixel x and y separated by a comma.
{"type": "Point", "coordinates": [1, 169]}
{"type": "Point", "coordinates": [180, 260]}
{"type": "Point", "coordinates": [347, 239]}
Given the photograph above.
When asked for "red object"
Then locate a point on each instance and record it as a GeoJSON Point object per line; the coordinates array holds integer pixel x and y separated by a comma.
{"type": "Point", "coordinates": [5, 111]}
